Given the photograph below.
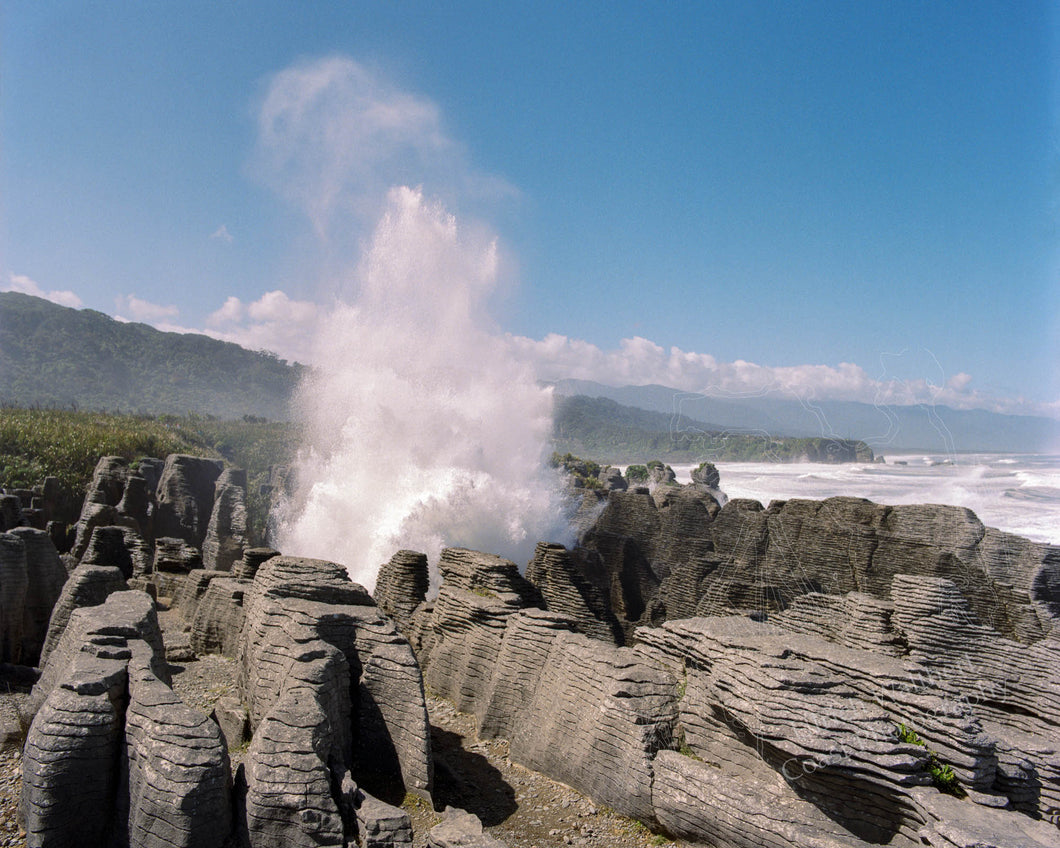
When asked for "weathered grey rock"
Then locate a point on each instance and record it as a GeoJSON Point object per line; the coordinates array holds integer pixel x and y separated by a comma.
{"type": "Point", "coordinates": [299, 750]}
{"type": "Point", "coordinates": [612, 480]}
{"type": "Point", "coordinates": [247, 567]}
{"type": "Point", "coordinates": [825, 717]}
{"type": "Point", "coordinates": [226, 533]}
{"type": "Point", "coordinates": [294, 603]}
{"type": "Point", "coordinates": [10, 512]}
{"type": "Point", "coordinates": [638, 541]}
{"type": "Point", "coordinates": [949, 821]}
{"type": "Point", "coordinates": [87, 586]}
{"type": "Point", "coordinates": [45, 576]}
{"type": "Point", "coordinates": [176, 772]}
{"type": "Point", "coordinates": [565, 590]}
{"type": "Point", "coordinates": [716, 804]}
{"type": "Point", "coordinates": [105, 630]}
{"type": "Point", "coordinates": [231, 717]}
{"type": "Point", "coordinates": [854, 620]}
{"type": "Point", "coordinates": [113, 757]}
{"type": "Point", "coordinates": [460, 829]}
{"type": "Point", "coordinates": [102, 499]}
{"type": "Point", "coordinates": [178, 647]}
{"type": "Point", "coordinates": [122, 547]}
{"type": "Point", "coordinates": [662, 558]}
{"type": "Point", "coordinates": [137, 502]}
{"type": "Point", "coordinates": [381, 825]}
{"type": "Point", "coordinates": [528, 640]}
{"type": "Point", "coordinates": [14, 584]}
{"type": "Point", "coordinates": [185, 498]}
{"type": "Point", "coordinates": [479, 593]}
{"type": "Point", "coordinates": [402, 585]}
{"type": "Point", "coordinates": [192, 588]}
{"type": "Point", "coordinates": [175, 556]}
{"type": "Point", "coordinates": [218, 621]}
{"type": "Point", "coordinates": [598, 716]}
{"type": "Point", "coordinates": [70, 763]}
{"type": "Point", "coordinates": [1014, 688]}
{"type": "Point", "coordinates": [150, 468]}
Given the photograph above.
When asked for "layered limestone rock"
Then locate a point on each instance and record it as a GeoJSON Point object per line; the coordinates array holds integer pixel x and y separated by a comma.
{"type": "Point", "coordinates": [14, 585]}
{"type": "Point", "coordinates": [176, 768]}
{"type": "Point", "coordinates": [564, 589]}
{"type": "Point", "coordinates": [706, 474]}
{"type": "Point", "coordinates": [247, 567]}
{"type": "Point", "coordinates": [831, 724]}
{"type": "Point", "coordinates": [300, 611]}
{"type": "Point", "coordinates": [112, 756]}
{"type": "Point", "coordinates": [70, 761]}
{"type": "Point", "coordinates": [612, 480]}
{"type": "Point", "coordinates": [528, 640]}
{"type": "Point", "coordinates": [45, 577]}
{"type": "Point", "coordinates": [122, 547]}
{"type": "Point", "coordinates": [175, 556]}
{"type": "Point", "coordinates": [193, 587]}
{"type": "Point", "coordinates": [598, 716]}
{"type": "Point", "coordinates": [1014, 688]}
{"type": "Point", "coordinates": [676, 554]}
{"type": "Point", "coordinates": [226, 533]}
{"type": "Point", "coordinates": [297, 748]}
{"type": "Point", "coordinates": [479, 593]}
{"type": "Point", "coordinates": [639, 540]}
{"type": "Point", "coordinates": [104, 502]}
{"type": "Point", "coordinates": [217, 622]}
{"type": "Point", "coordinates": [185, 498]}
{"type": "Point", "coordinates": [87, 586]}
{"type": "Point", "coordinates": [854, 620]}
{"type": "Point", "coordinates": [402, 585]}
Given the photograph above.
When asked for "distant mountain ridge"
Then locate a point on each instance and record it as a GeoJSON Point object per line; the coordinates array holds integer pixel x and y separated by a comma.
{"type": "Point", "coordinates": [55, 356]}
{"type": "Point", "coordinates": [605, 431]}
{"type": "Point", "coordinates": [933, 429]}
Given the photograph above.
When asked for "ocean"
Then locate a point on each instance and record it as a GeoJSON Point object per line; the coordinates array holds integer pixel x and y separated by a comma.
{"type": "Point", "coordinates": [1018, 493]}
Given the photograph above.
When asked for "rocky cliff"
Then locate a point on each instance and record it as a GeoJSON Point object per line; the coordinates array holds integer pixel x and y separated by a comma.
{"type": "Point", "coordinates": [829, 673]}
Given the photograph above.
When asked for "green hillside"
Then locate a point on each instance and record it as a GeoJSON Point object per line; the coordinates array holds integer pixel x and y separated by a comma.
{"type": "Point", "coordinates": [610, 432]}
{"type": "Point", "coordinates": [54, 356]}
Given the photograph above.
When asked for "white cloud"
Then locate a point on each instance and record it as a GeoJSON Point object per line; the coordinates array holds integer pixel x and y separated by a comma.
{"type": "Point", "coordinates": [290, 329]}
{"type": "Point", "coordinates": [335, 135]}
{"type": "Point", "coordinates": [273, 322]}
{"type": "Point", "coordinates": [230, 313]}
{"type": "Point", "coordinates": [144, 311]}
{"type": "Point", "coordinates": [222, 234]}
{"type": "Point", "coordinates": [639, 361]}
{"type": "Point", "coordinates": [25, 285]}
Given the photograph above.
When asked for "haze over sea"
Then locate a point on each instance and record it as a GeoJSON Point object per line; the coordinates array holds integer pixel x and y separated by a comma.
{"type": "Point", "coordinates": [1018, 493]}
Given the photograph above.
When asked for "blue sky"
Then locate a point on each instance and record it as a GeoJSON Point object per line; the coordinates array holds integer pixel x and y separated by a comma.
{"type": "Point", "coordinates": [831, 199]}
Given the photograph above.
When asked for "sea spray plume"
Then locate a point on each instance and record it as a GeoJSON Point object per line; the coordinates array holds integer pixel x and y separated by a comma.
{"type": "Point", "coordinates": [423, 429]}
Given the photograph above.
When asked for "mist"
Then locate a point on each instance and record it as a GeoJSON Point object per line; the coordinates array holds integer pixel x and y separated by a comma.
{"type": "Point", "coordinates": [423, 429]}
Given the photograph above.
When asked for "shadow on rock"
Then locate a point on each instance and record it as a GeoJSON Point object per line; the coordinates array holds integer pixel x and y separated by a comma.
{"type": "Point", "coordinates": [467, 780]}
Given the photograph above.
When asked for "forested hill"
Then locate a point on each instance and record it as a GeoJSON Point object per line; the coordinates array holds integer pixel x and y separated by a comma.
{"type": "Point", "coordinates": [52, 355]}
{"type": "Point", "coordinates": [610, 432]}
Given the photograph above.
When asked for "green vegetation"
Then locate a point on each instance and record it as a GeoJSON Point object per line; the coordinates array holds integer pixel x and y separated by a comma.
{"type": "Point", "coordinates": [686, 751]}
{"type": "Point", "coordinates": [638, 474]}
{"type": "Point", "coordinates": [51, 355]}
{"type": "Point", "coordinates": [942, 775]}
{"type": "Point", "coordinates": [584, 472]}
{"type": "Point", "coordinates": [39, 443]}
{"type": "Point", "coordinates": [618, 434]}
